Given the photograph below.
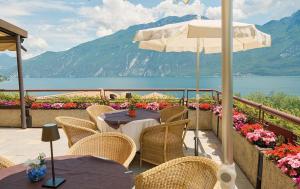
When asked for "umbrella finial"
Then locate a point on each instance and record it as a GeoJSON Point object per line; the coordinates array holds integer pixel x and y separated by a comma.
{"type": "Point", "coordinates": [186, 1]}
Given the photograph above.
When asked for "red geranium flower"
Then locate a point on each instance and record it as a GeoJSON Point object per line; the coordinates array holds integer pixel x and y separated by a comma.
{"type": "Point", "coordinates": [205, 106]}
{"type": "Point", "coordinates": [141, 105]}
{"type": "Point", "coordinates": [163, 105]}
{"type": "Point", "coordinates": [282, 151]}
{"type": "Point", "coordinates": [69, 105]}
{"type": "Point", "coordinates": [250, 128]}
{"type": "Point", "coordinates": [36, 105]}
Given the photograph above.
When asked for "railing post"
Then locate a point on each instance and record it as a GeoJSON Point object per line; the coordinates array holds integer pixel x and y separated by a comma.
{"type": "Point", "coordinates": [259, 113]}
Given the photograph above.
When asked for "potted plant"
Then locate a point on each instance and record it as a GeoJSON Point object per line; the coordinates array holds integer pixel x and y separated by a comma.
{"type": "Point", "coordinates": [36, 168]}
{"type": "Point", "coordinates": [131, 110]}
{"type": "Point", "coordinates": [204, 115]}
{"type": "Point", "coordinates": [250, 141]}
{"type": "Point", "coordinates": [281, 167]}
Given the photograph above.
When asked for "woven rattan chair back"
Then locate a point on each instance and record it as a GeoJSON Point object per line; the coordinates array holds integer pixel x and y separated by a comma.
{"type": "Point", "coordinates": [75, 128]}
{"type": "Point", "coordinates": [182, 173]}
{"type": "Point", "coordinates": [174, 113]}
{"type": "Point", "coordinates": [95, 110]}
{"type": "Point", "coordinates": [113, 146]}
{"type": "Point", "coordinates": [5, 163]}
{"type": "Point", "coordinates": [163, 142]}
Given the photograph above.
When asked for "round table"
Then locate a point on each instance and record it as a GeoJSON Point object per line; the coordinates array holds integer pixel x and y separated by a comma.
{"type": "Point", "coordinates": [120, 121]}
{"type": "Point", "coordinates": [79, 171]}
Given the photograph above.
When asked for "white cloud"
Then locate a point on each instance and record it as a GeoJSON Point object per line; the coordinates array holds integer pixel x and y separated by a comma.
{"type": "Point", "coordinates": [113, 15]}
{"type": "Point", "coordinates": [15, 8]}
{"type": "Point", "coordinates": [36, 45]}
{"type": "Point", "coordinates": [170, 8]}
{"type": "Point", "coordinates": [267, 9]}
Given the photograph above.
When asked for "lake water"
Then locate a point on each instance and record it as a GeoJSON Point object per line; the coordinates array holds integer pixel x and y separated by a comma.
{"type": "Point", "coordinates": [243, 85]}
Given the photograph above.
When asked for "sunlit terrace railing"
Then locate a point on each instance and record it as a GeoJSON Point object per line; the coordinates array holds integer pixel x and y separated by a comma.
{"type": "Point", "coordinates": [186, 95]}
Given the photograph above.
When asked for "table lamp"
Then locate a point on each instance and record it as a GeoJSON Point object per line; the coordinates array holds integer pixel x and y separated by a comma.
{"type": "Point", "coordinates": [112, 96]}
{"type": "Point", "coordinates": [50, 133]}
{"type": "Point", "coordinates": [128, 95]}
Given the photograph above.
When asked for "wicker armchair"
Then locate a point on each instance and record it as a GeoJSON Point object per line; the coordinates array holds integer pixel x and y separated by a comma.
{"type": "Point", "coordinates": [5, 163]}
{"type": "Point", "coordinates": [114, 146]}
{"type": "Point", "coordinates": [182, 173]}
{"type": "Point", "coordinates": [95, 110]}
{"type": "Point", "coordinates": [76, 129]}
{"type": "Point", "coordinates": [174, 113]}
{"type": "Point", "coordinates": [163, 142]}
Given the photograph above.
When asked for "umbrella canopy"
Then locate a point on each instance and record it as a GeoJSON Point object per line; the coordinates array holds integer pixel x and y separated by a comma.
{"type": "Point", "coordinates": [155, 95]}
{"type": "Point", "coordinates": [184, 36]}
{"type": "Point", "coordinates": [207, 36]}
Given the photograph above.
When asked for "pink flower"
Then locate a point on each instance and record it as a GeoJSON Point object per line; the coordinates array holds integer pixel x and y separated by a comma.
{"type": "Point", "coordinates": [297, 181]}
{"type": "Point", "coordinates": [154, 106]}
{"type": "Point", "coordinates": [262, 138]}
{"type": "Point", "coordinates": [293, 173]}
{"type": "Point", "coordinates": [295, 163]}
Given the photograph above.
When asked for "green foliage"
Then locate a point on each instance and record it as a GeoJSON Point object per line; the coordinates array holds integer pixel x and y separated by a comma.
{"type": "Point", "coordinates": [279, 101]}
{"type": "Point", "coordinates": [203, 99]}
{"type": "Point", "coordinates": [9, 96]}
{"type": "Point", "coordinates": [77, 99]}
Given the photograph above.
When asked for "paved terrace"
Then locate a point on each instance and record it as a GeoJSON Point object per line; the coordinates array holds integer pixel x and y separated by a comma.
{"type": "Point", "coordinates": [21, 144]}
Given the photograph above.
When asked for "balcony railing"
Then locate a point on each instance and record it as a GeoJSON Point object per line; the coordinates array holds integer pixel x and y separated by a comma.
{"type": "Point", "coordinates": [186, 96]}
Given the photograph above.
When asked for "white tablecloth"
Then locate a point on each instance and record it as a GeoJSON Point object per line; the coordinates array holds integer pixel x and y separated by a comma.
{"type": "Point", "coordinates": [132, 129]}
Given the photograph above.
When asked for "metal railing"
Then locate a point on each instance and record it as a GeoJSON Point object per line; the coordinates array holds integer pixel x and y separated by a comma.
{"type": "Point", "coordinates": [216, 95]}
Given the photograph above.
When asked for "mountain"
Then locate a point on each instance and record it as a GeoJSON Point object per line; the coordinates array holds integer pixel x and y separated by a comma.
{"type": "Point", "coordinates": [7, 63]}
{"type": "Point", "coordinates": [116, 55]}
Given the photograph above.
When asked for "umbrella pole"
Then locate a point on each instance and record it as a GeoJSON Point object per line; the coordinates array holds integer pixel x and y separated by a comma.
{"type": "Point", "coordinates": [227, 174]}
{"type": "Point", "coordinates": [197, 141]}
{"type": "Point", "coordinates": [196, 138]}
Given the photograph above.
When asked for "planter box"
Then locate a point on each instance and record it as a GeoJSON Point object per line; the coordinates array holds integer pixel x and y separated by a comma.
{"type": "Point", "coordinates": [220, 130]}
{"type": "Point", "coordinates": [10, 117]}
{"type": "Point", "coordinates": [272, 177]}
{"type": "Point", "coordinates": [204, 119]}
{"type": "Point", "coordinates": [246, 156]}
{"type": "Point", "coordinates": [41, 117]}
{"type": "Point", "coordinates": [214, 123]}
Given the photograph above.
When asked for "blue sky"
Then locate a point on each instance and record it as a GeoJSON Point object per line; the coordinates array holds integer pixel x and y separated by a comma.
{"type": "Point", "coordinates": [56, 25]}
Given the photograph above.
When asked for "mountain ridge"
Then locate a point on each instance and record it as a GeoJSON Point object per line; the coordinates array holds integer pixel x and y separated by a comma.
{"type": "Point", "coordinates": [116, 56]}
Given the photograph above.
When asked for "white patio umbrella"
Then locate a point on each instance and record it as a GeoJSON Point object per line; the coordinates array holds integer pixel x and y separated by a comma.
{"type": "Point", "coordinates": [203, 36]}
{"type": "Point", "coordinates": [200, 36]}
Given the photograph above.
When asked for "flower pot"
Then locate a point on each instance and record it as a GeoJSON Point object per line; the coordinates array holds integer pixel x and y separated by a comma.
{"type": "Point", "coordinates": [132, 113]}
{"type": "Point", "coordinates": [246, 156]}
{"type": "Point", "coordinates": [273, 177]}
{"type": "Point", "coordinates": [41, 116]}
{"type": "Point", "coordinates": [36, 174]}
{"type": "Point", "coordinates": [204, 119]}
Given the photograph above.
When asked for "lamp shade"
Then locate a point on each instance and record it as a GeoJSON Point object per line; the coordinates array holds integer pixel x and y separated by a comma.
{"type": "Point", "coordinates": [112, 96]}
{"type": "Point", "coordinates": [50, 132]}
{"type": "Point", "coordinates": [128, 95]}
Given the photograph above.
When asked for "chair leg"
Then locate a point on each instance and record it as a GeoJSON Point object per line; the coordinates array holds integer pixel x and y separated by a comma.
{"type": "Point", "coordinates": [183, 137]}
{"type": "Point", "coordinates": [185, 146]}
{"type": "Point", "coordinates": [141, 162]}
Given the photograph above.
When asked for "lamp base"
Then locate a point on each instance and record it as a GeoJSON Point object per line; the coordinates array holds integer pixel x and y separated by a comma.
{"type": "Point", "coordinates": [57, 182]}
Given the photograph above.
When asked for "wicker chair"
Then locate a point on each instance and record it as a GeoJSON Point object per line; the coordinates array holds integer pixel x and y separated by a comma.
{"type": "Point", "coordinates": [163, 142]}
{"type": "Point", "coordinates": [174, 113]}
{"type": "Point", "coordinates": [114, 146]}
{"type": "Point", "coordinates": [76, 129]}
{"type": "Point", "coordinates": [182, 173]}
{"type": "Point", "coordinates": [95, 110]}
{"type": "Point", "coordinates": [5, 163]}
